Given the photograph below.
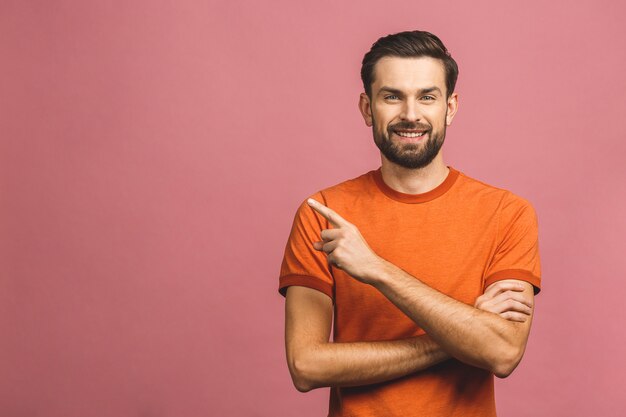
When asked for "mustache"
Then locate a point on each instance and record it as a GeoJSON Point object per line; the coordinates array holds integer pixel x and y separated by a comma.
{"type": "Point", "coordinates": [407, 126]}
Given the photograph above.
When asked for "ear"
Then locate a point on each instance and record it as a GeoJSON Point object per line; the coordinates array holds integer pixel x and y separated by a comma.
{"type": "Point", "coordinates": [365, 108]}
{"type": "Point", "coordinates": [453, 106]}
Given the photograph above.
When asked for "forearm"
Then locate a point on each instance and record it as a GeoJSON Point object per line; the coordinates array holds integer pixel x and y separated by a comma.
{"type": "Point", "coordinates": [361, 363]}
{"type": "Point", "coordinates": [473, 336]}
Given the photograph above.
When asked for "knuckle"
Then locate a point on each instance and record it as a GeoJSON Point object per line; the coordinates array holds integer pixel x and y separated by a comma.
{"type": "Point", "coordinates": [511, 316]}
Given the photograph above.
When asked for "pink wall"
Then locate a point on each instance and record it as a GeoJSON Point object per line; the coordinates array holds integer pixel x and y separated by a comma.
{"type": "Point", "coordinates": [153, 154]}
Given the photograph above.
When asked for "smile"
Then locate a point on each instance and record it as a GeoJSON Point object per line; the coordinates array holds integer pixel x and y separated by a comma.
{"type": "Point", "coordinates": [409, 135]}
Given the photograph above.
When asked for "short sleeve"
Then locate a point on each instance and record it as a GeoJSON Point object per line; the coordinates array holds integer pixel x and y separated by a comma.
{"type": "Point", "coordinates": [302, 264]}
{"type": "Point", "coordinates": [517, 251]}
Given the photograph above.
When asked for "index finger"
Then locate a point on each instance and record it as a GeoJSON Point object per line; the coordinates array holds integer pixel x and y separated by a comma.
{"type": "Point", "coordinates": [329, 214]}
{"type": "Point", "coordinates": [500, 286]}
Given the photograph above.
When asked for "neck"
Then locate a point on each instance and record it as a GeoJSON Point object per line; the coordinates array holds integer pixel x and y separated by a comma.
{"type": "Point", "coordinates": [417, 180]}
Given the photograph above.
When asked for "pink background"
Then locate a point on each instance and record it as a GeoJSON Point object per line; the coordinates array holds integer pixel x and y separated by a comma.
{"type": "Point", "coordinates": [153, 154]}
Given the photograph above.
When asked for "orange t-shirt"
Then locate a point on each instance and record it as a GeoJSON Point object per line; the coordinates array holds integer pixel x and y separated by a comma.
{"type": "Point", "coordinates": [458, 238]}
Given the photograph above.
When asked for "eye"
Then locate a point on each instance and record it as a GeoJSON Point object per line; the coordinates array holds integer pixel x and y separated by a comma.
{"type": "Point", "coordinates": [387, 97]}
{"type": "Point", "coordinates": [429, 98]}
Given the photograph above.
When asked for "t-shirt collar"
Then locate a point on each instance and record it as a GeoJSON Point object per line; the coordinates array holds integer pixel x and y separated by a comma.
{"type": "Point", "coordinates": [415, 198]}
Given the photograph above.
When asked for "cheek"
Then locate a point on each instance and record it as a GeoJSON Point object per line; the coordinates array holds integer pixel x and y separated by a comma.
{"type": "Point", "coordinates": [380, 122]}
{"type": "Point", "coordinates": [436, 118]}
{"type": "Point", "coordinates": [384, 115]}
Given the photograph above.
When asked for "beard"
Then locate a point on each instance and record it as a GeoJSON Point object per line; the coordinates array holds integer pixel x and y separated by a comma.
{"type": "Point", "coordinates": [409, 155]}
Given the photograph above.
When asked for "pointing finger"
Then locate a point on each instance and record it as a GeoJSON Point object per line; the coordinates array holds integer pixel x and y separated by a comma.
{"type": "Point", "coordinates": [329, 214]}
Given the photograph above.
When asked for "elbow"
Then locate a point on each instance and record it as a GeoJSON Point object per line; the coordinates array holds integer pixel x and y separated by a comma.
{"type": "Point", "coordinates": [301, 375]}
{"type": "Point", "coordinates": [300, 378]}
{"type": "Point", "coordinates": [506, 362]}
{"type": "Point", "coordinates": [502, 371]}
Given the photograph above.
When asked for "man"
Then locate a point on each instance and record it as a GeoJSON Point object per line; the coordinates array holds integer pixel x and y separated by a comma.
{"type": "Point", "coordinates": [430, 274]}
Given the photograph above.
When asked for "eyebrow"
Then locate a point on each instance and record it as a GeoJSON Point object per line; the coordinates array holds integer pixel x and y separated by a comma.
{"type": "Point", "coordinates": [398, 92]}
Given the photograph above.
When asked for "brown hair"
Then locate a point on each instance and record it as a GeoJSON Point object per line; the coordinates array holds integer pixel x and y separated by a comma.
{"type": "Point", "coordinates": [408, 44]}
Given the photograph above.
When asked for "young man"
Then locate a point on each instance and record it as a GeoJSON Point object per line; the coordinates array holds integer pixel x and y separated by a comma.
{"type": "Point", "coordinates": [430, 274]}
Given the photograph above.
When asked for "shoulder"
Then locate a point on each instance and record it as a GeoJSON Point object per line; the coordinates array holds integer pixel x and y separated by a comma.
{"type": "Point", "coordinates": [337, 196]}
{"type": "Point", "coordinates": [486, 194]}
{"type": "Point", "coordinates": [513, 211]}
{"type": "Point", "coordinates": [345, 193]}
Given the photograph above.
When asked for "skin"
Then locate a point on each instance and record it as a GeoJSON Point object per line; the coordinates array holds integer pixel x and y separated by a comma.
{"type": "Point", "coordinates": [411, 106]}
{"type": "Point", "coordinates": [476, 337]}
{"type": "Point", "coordinates": [491, 335]}
{"type": "Point", "coordinates": [314, 362]}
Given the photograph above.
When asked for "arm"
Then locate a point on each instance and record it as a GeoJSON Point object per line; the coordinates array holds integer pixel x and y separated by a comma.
{"type": "Point", "coordinates": [315, 362]}
{"type": "Point", "coordinates": [479, 338]}
{"type": "Point", "coordinates": [476, 337]}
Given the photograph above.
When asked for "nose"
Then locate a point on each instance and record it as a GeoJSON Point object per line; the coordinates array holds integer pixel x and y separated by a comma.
{"type": "Point", "coordinates": [410, 111]}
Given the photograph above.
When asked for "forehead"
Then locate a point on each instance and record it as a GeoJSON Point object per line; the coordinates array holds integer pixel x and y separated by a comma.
{"type": "Point", "coordinates": [408, 73]}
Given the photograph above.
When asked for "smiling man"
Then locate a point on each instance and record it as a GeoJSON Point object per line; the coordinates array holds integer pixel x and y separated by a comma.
{"type": "Point", "coordinates": [427, 274]}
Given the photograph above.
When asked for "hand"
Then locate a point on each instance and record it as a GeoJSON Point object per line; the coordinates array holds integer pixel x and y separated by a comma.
{"type": "Point", "coordinates": [345, 246]}
{"type": "Point", "coordinates": [506, 298]}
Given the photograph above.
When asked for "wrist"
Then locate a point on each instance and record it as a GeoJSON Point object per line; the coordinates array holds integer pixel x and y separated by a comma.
{"type": "Point", "coordinates": [379, 271]}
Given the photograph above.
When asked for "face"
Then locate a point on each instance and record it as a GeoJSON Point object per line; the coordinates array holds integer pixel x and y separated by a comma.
{"type": "Point", "coordinates": [408, 110]}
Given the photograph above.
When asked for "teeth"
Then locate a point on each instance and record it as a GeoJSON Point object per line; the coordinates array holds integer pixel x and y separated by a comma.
{"type": "Point", "coordinates": [409, 135]}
